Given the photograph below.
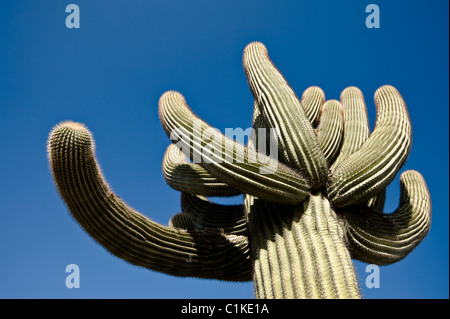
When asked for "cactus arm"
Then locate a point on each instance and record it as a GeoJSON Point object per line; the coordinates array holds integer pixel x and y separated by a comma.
{"type": "Point", "coordinates": [383, 239]}
{"type": "Point", "coordinates": [229, 219]}
{"type": "Point", "coordinates": [191, 178]}
{"type": "Point", "coordinates": [312, 101]}
{"type": "Point", "coordinates": [356, 132]}
{"type": "Point", "coordinates": [246, 175]}
{"type": "Point", "coordinates": [282, 110]}
{"type": "Point", "coordinates": [371, 168]}
{"type": "Point", "coordinates": [299, 251]}
{"type": "Point", "coordinates": [356, 124]}
{"type": "Point", "coordinates": [330, 129]}
{"type": "Point", "coordinates": [126, 233]}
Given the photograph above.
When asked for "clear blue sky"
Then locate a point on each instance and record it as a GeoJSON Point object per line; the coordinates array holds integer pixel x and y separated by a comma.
{"type": "Point", "coordinates": [109, 75]}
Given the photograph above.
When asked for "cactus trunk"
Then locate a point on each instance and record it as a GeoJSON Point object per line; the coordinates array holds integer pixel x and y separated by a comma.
{"type": "Point", "coordinates": [299, 251]}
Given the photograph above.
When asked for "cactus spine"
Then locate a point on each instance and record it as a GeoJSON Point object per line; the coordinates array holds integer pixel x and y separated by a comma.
{"type": "Point", "coordinates": [299, 227]}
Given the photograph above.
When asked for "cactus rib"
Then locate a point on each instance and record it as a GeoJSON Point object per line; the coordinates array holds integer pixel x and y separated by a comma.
{"type": "Point", "coordinates": [304, 250]}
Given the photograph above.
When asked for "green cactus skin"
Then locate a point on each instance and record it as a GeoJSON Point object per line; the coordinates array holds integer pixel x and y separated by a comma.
{"type": "Point", "coordinates": [128, 234]}
{"type": "Point", "coordinates": [307, 243]}
{"type": "Point", "coordinates": [299, 227]}
{"type": "Point", "coordinates": [191, 178]}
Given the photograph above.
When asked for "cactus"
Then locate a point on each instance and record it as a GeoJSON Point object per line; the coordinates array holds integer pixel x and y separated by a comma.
{"type": "Point", "coordinates": [299, 226]}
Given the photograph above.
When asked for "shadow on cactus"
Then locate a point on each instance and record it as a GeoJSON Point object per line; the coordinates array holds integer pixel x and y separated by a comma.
{"type": "Point", "coordinates": [299, 227]}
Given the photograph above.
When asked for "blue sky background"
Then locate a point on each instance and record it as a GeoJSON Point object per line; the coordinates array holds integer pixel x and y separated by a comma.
{"type": "Point", "coordinates": [109, 75]}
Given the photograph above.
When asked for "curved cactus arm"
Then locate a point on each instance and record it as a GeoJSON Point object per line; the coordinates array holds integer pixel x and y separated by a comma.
{"type": "Point", "coordinates": [229, 219]}
{"type": "Point", "coordinates": [330, 129]}
{"type": "Point", "coordinates": [240, 167]}
{"type": "Point", "coordinates": [282, 110]}
{"type": "Point", "coordinates": [356, 132]}
{"type": "Point", "coordinates": [383, 239]}
{"type": "Point", "coordinates": [191, 178]}
{"type": "Point", "coordinates": [370, 169]}
{"type": "Point", "coordinates": [126, 233]}
{"type": "Point", "coordinates": [356, 124]}
{"type": "Point", "coordinates": [312, 101]}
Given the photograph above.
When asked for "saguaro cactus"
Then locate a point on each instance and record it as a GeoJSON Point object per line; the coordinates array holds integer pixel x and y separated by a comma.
{"type": "Point", "coordinates": [299, 226]}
